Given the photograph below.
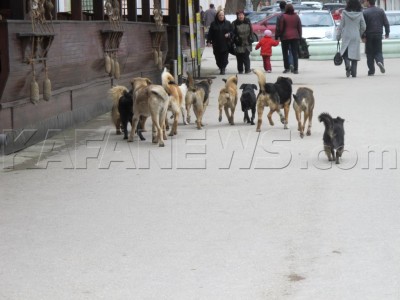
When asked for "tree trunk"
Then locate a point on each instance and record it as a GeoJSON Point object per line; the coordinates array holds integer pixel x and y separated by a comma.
{"type": "Point", "coordinates": [232, 6]}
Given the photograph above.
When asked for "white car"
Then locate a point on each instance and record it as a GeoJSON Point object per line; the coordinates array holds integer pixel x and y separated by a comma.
{"type": "Point", "coordinates": [317, 25]}
{"type": "Point", "coordinates": [394, 22]}
{"type": "Point", "coordinates": [313, 4]}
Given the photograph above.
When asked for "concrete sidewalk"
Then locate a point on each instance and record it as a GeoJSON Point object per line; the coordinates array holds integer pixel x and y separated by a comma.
{"type": "Point", "coordinates": [219, 213]}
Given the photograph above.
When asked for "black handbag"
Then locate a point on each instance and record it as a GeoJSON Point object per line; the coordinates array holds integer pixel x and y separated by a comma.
{"type": "Point", "coordinates": [338, 59]}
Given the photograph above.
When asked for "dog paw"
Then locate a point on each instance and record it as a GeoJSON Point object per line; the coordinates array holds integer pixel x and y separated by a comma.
{"type": "Point", "coordinates": [219, 119]}
{"type": "Point", "coordinates": [308, 133]}
{"type": "Point", "coordinates": [301, 135]}
{"type": "Point", "coordinates": [161, 144]}
{"type": "Point", "coordinates": [285, 127]}
{"type": "Point", "coordinates": [258, 130]}
{"type": "Point", "coordinates": [130, 139]}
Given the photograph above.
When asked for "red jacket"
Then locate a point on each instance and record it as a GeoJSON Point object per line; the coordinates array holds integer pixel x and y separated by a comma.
{"type": "Point", "coordinates": [266, 44]}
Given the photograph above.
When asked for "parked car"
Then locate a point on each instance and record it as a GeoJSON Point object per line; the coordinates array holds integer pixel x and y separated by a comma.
{"type": "Point", "coordinates": [261, 23]}
{"type": "Point", "coordinates": [317, 25]}
{"type": "Point", "coordinates": [394, 22]}
{"type": "Point", "coordinates": [313, 4]}
{"type": "Point", "coordinates": [267, 20]}
{"type": "Point", "coordinates": [332, 7]}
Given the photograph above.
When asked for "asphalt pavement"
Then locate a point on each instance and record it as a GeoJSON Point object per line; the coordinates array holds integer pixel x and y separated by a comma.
{"type": "Point", "coordinates": [219, 213]}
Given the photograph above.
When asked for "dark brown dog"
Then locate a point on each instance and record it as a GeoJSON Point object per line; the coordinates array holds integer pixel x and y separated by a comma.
{"type": "Point", "coordinates": [304, 102]}
{"type": "Point", "coordinates": [274, 95]}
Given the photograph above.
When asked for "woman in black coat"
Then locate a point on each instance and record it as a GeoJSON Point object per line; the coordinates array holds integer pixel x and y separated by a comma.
{"type": "Point", "coordinates": [219, 35]}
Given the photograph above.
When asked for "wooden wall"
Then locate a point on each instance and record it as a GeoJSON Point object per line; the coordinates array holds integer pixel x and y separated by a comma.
{"type": "Point", "coordinates": [76, 70]}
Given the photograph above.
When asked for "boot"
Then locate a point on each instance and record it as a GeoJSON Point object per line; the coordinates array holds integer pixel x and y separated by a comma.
{"type": "Point", "coordinates": [354, 68]}
{"type": "Point", "coordinates": [347, 65]}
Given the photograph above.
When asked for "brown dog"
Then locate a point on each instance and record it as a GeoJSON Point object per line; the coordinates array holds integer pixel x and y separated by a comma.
{"type": "Point", "coordinates": [275, 95]}
{"type": "Point", "coordinates": [228, 97]}
{"type": "Point", "coordinates": [150, 100]}
{"type": "Point", "coordinates": [197, 95]}
{"type": "Point", "coordinates": [304, 102]}
{"type": "Point", "coordinates": [176, 98]}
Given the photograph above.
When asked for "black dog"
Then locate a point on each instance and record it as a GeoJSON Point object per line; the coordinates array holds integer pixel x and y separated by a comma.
{"type": "Point", "coordinates": [248, 101]}
{"type": "Point", "coordinates": [125, 106]}
{"type": "Point", "coordinates": [333, 136]}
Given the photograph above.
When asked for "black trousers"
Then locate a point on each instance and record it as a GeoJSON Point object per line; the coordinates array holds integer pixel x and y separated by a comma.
{"type": "Point", "coordinates": [373, 49]}
{"type": "Point", "coordinates": [243, 60]}
{"type": "Point", "coordinates": [221, 58]}
{"type": "Point", "coordinates": [294, 46]}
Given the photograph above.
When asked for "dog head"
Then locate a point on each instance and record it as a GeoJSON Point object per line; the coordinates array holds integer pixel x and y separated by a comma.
{"type": "Point", "coordinates": [140, 82]}
{"type": "Point", "coordinates": [248, 86]}
{"type": "Point", "coordinates": [282, 79]}
{"type": "Point", "coordinates": [231, 80]}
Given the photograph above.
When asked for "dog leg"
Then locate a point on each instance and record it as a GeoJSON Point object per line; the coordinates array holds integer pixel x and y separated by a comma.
{"type": "Point", "coordinates": [246, 118]}
{"type": "Point", "coordinates": [310, 115]}
{"type": "Point", "coordinates": [328, 152]}
{"type": "Point", "coordinates": [183, 115]}
{"type": "Point", "coordinates": [228, 116]}
{"type": "Point", "coordinates": [270, 117]}
{"type": "Point", "coordinates": [220, 113]}
{"type": "Point", "coordinates": [232, 115]}
{"type": "Point", "coordinates": [253, 114]}
{"type": "Point", "coordinates": [286, 108]}
{"type": "Point", "coordinates": [298, 118]}
{"type": "Point", "coordinates": [260, 110]}
{"type": "Point", "coordinates": [339, 153]}
{"type": "Point", "coordinates": [197, 113]}
{"type": "Point", "coordinates": [306, 116]}
{"type": "Point", "coordinates": [135, 120]}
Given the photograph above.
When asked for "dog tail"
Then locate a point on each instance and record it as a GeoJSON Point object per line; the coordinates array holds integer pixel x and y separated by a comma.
{"type": "Point", "coordinates": [190, 82]}
{"type": "Point", "coordinates": [327, 120]}
{"type": "Point", "coordinates": [261, 79]}
{"type": "Point", "coordinates": [167, 79]}
{"type": "Point", "coordinates": [116, 93]}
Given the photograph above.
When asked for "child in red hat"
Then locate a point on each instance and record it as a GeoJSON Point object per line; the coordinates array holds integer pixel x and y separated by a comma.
{"type": "Point", "coordinates": [266, 44]}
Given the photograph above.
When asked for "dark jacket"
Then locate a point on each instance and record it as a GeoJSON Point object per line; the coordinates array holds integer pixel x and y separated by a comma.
{"type": "Point", "coordinates": [216, 35]}
{"type": "Point", "coordinates": [290, 27]}
{"type": "Point", "coordinates": [376, 19]}
{"type": "Point", "coordinates": [242, 35]}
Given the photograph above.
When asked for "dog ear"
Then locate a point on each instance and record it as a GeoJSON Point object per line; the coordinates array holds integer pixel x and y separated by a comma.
{"type": "Point", "coordinates": [224, 80]}
{"type": "Point", "coordinates": [295, 97]}
{"type": "Point", "coordinates": [148, 81]}
{"type": "Point", "coordinates": [254, 86]}
{"type": "Point", "coordinates": [243, 86]}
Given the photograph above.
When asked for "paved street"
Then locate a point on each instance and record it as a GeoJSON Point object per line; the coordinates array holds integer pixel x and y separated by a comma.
{"type": "Point", "coordinates": [219, 213]}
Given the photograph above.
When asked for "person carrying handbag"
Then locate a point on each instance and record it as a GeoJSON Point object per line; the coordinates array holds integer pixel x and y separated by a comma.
{"type": "Point", "coordinates": [351, 29]}
{"type": "Point", "coordinates": [243, 39]}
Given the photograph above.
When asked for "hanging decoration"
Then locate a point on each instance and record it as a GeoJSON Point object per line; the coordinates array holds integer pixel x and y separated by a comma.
{"type": "Point", "coordinates": [112, 38]}
{"type": "Point", "coordinates": [36, 44]}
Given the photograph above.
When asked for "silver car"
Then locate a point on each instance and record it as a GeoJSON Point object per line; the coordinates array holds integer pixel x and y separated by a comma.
{"type": "Point", "coordinates": [318, 25]}
{"type": "Point", "coordinates": [394, 22]}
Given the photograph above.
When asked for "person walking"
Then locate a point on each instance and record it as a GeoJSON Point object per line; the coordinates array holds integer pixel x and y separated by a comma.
{"type": "Point", "coordinates": [243, 39]}
{"type": "Point", "coordinates": [209, 17]}
{"type": "Point", "coordinates": [219, 36]}
{"type": "Point", "coordinates": [266, 44]}
{"type": "Point", "coordinates": [352, 27]}
{"type": "Point", "coordinates": [375, 19]}
{"type": "Point", "coordinates": [282, 5]}
{"type": "Point", "coordinates": [290, 35]}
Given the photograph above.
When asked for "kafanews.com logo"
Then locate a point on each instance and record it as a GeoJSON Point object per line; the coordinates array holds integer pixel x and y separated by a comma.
{"type": "Point", "coordinates": [213, 149]}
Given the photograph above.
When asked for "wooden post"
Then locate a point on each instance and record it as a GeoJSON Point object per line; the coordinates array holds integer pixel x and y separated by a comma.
{"type": "Point", "coordinates": [132, 10]}
{"type": "Point", "coordinates": [145, 11]}
{"type": "Point", "coordinates": [98, 9]}
{"type": "Point", "coordinates": [76, 10]}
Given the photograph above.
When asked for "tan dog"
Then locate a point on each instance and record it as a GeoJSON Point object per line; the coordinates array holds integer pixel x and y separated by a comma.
{"type": "Point", "coordinates": [274, 95]}
{"type": "Point", "coordinates": [176, 98]}
{"type": "Point", "coordinates": [115, 93]}
{"type": "Point", "coordinates": [228, 97]}
{"type": "Point", "coordinates": [198, 96]}
{"type": "Point", "coordinates": [304, 102]}
{"type": "Point", "coordinates": [150, 100]}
